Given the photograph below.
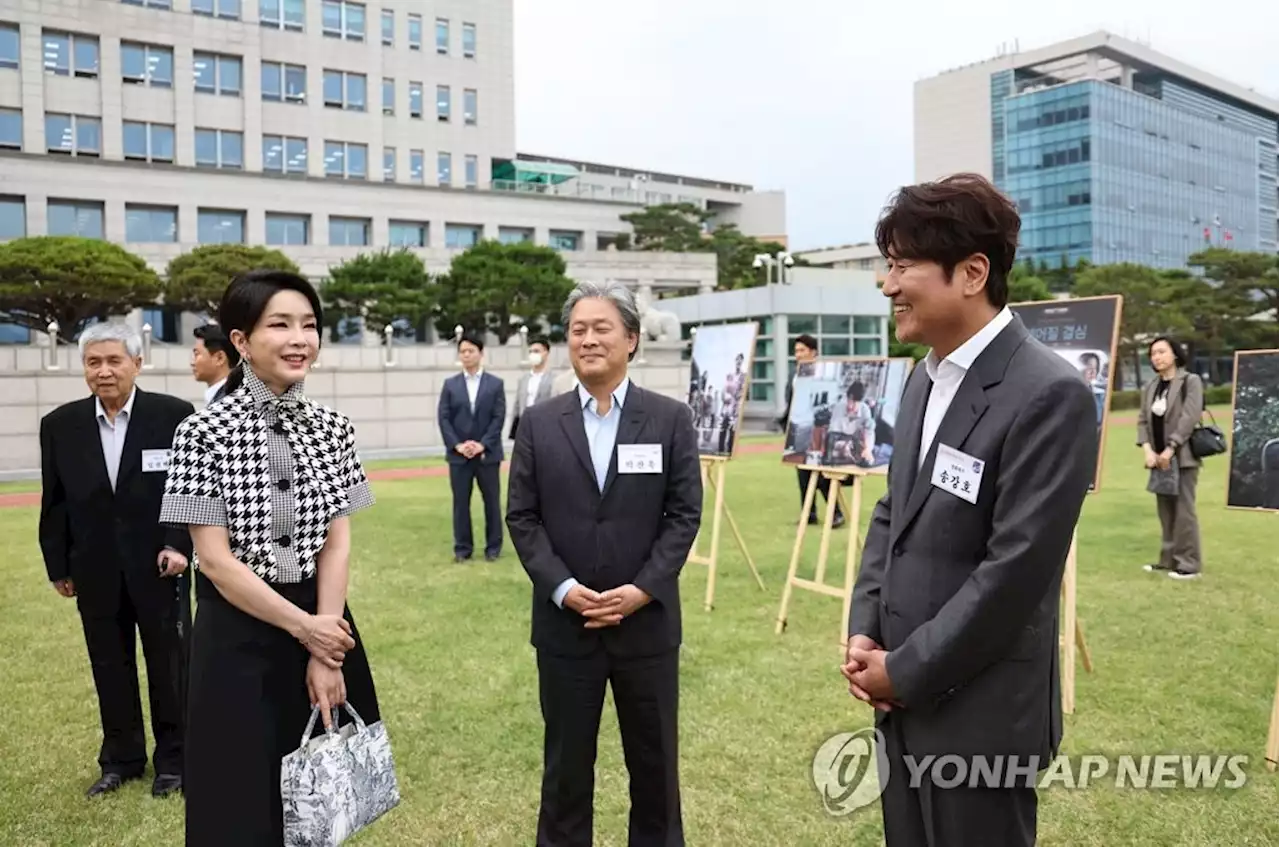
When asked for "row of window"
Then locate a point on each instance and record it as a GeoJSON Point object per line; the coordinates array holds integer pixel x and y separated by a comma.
{"type": "Point", "coordinates": [157, 224]}
{"type": "Point", "coordinates": [80, 135]}
{"type": "Point", "coordinates": [338, 19]}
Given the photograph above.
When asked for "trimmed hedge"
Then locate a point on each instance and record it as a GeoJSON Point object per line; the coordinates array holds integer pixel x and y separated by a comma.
{"type": "Point", "coordinates": [1214, 395]}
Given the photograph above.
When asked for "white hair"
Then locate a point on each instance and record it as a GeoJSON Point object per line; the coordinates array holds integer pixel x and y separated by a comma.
{"type": "Point", "coordinates": [125, 334]}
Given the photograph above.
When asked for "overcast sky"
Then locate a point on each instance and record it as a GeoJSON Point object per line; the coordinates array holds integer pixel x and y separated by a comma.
{"type": "Point", "coordinates": [811, 96]}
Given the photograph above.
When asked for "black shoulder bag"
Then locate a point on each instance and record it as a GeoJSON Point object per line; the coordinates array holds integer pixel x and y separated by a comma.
{"type": "Point", "coordinates": [1205, 441]}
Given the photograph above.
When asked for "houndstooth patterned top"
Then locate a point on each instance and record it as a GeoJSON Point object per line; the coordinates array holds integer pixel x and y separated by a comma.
{"type": "Point", "coordinates": [274, 470]}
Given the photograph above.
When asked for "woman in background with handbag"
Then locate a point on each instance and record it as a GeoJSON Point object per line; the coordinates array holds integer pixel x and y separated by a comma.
{"type": "Point", "coordinates": [1172, 403]}
{"type": "Point", "coordinates": [265, 480]}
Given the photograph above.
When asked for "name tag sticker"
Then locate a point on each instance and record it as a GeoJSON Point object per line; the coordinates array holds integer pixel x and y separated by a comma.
{"type": "Point", "coordinates": [639, 458]}
{"type": "Point", "coordinates": [958, 473]}
{"type": "Point", "coordinates": [155, 461]}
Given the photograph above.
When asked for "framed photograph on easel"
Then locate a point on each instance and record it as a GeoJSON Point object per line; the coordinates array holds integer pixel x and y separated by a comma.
{"type": "Point", "coordinates": [844, 412]}
{"type": "Point", "coordinates": [719, 384]}
{"type": "Point", "coordinates": [1254, 465]}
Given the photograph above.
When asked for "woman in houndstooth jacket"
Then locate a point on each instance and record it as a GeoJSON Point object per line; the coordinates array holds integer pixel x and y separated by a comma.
{"type": "Point", "coordinates": [265, 480]}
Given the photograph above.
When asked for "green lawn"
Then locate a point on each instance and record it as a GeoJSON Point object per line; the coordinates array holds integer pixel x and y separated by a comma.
{"type": "Point", "coordinates": [1180, 667]}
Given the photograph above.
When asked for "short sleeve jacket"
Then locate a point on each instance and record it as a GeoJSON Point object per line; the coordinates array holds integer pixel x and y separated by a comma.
{"type": "Point", "coordinates": [274, 470]}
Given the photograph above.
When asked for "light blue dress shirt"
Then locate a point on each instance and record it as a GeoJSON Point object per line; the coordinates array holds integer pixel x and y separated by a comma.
{"type": "Point", "coordinates": [602, 436]}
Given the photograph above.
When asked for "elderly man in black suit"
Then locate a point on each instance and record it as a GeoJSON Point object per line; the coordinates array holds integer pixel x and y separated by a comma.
{"type": "Point", "coordinates": [604, 502]}
{"type": "Point", "coordinates": [103, 465]}
{"type": "Point", "coordinates": [473, 405]}
{"type": "Point", "coordinates": [953, 631]}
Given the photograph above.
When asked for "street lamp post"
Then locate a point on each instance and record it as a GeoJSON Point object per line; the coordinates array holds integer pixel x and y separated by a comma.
{"type": "Point", "coordinates": [781, 260]}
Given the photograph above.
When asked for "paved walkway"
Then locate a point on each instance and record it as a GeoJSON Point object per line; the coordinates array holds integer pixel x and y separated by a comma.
{"type": "Point", "coordinates": [32, 498]}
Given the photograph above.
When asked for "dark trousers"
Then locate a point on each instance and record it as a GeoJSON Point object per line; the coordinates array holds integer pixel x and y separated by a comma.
{"type": "Point", "coordinates": [1179, 526]}
{"type": "Point", "coordinates": [929, 815]}
{"type": "Point", "coordinates": [461, 477]}
{"type": "Point", "coordinates": [824, 488]}
{"type": "Point", "coordinates": [645, 692]}
{"type": "Point", "coordinates": [110, 637]}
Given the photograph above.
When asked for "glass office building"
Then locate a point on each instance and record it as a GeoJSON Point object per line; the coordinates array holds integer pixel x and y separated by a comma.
{"type": "Point", "coordinates": [1131, 164]}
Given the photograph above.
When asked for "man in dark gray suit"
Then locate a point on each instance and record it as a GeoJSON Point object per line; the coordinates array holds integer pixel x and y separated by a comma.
{"type": "Point", "coordinates": [604, 500]}
{"type": "Point", "coordinates": [953, 632]}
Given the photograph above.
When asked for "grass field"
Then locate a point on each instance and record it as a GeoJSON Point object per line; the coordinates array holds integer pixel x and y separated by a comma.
{"type": "Point", "coordinates": [1180, 667]}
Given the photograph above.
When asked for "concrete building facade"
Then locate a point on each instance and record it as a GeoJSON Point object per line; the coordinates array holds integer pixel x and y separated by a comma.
{"type": "Point", "coordinates": [1112, 151]}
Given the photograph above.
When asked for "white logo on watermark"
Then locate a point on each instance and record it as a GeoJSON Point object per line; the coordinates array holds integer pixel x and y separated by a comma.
{"type": "Point", "coordinates": [847, 768]}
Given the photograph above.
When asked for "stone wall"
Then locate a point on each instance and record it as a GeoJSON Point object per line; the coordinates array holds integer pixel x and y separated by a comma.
{"type": "Point", "coordinates": [393, 405]}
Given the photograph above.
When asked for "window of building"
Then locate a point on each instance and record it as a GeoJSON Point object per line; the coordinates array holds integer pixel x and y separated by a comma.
{"type": "Point", "coordinates": [78, 135]}
{"type": "Point", "coordinates": [344, 90]}
{"type": "Point", "coordinates": [442, 36]}
{"type": "Point", "coordinates": [471, 171]}
{"type": "Point", "coordinates": [67, 54]}
{"type": "Point", "coordinates": [283, 83]}
{"type": "Point", "coordinates": [343, 19]}
{"type": "Point", "coordinates": [461, 235]}
{"type": "Point", "coordinates": [349, 232]}
{"type": "Point", "coordinates": [415, 32]}
{"type": "Point", "coordinates": [217, 74]}
{"type": "Point", "coordinates": [150, 224]}
{"type": "Point", "coordinates": [388, 96]}
{"type": "Point", "coordinates": [408, 234]}
{"type": "Point", "coordinates": [220, 226]}
{"type": "Point", "coordinates": [469, 40]}
{"type": "Point", "coordinates": [146, 64]}
{"type": "Point", "coordinates": [11, 129]}
{"type": "Point", "coordinates": [415, 99]}
{"type": "Point", "coordinates": [283, 14]}
{"type": "Point", "coordinates": [148, 142]}
{"type": "Point", "coordinates": [866, 325]}
{"type": "Point", "coordinates": [150, 4]}
{"type": "Point", "coordinates": [866, 346]}
{"type": "Point", "coordinates": [388, 164]}
{"type": "Point", "coordinates": [444, 169]}
{"type": "Point", "coordinates": [283, 229]}
{"type": "Point", "coordinates": [442, 103]}
{"type": "Point", "coordinates": [75, 217]}
{"type": "Point", "coordinates": [836, 324]}
{"type": "Point", "coordinates": [343, 159]}
{"type": "Point", "coordinates": [560, 239]}
{"type": "Point", "coordinates": [13, 218]}
{"type": "Point", "coordinates": [388, 27]}
{"type": "Point", "coordinates": [229, 9]}
{"type": "Point", "coordinates": [835, 346]}
{"type": "Point", "coordinates": [10, 46]}
{"type": "Point", "coordinates": [469, 106]}
{"type": "Point", "coordinates": [417, 166]}
{"type": "Point", "coordinates": [284, 155]}
{"type": "Point", "coordinates": [514, 235]}
{"type": "Point", "coordinates": [219, 148]}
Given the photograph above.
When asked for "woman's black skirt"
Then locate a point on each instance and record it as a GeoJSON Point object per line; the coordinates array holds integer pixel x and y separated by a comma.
{"type": "Point", "coordinates": [247, 708]}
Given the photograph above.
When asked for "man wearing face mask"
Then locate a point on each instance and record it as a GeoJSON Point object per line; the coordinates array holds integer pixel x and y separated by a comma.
{"type": "Point", "coordinates": [103, 463]}
{"type": "Point", "coordinates": [535, 386]}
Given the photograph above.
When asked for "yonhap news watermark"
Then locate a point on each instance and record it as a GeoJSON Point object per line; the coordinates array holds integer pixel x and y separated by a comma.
{"type": "Point", "coordinates": [850, 770]}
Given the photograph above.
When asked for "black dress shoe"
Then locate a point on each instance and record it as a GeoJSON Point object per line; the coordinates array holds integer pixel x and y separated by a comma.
{"type": "Point", "coordinates": [165, 784]}
{"type": "Point", "coordinates": [837, 522]}
{"type": "Point", "coordinates": [491, 557]}
{"type": "Point", "coordinates": [107, 783]}
{"type": "Point", "coordinates": [460, 559]}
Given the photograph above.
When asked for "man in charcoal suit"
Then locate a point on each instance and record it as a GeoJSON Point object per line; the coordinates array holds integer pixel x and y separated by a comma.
{"type": "Point", "coordinates": [953, 631]}
{"type": "Point", "coordinates": [103, 465]}
{"type": "Point", "coordinates": [472, 408]}
{"type": "Point", "coordinates": [604, 502]}
{"type": "Point", "coordinates": [535, 386]}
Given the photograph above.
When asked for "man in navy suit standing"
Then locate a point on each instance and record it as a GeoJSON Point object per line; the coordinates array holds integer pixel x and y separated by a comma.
{"type": "Point", "coordinates": [473, 405]}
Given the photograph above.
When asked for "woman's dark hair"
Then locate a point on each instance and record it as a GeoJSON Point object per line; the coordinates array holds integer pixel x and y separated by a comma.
{"type": "Point", "coordinates": [856, 391]}
{"type": "Point", "coordinates": [246, 298]}
{"type": "Point", "coordinates": [1179, 358]}
{"type": "Point", "coordinates": [950, 220]}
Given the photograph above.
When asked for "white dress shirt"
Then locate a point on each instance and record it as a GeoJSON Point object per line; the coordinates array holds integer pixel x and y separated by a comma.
{"type": "Point", "coordinates": [949, 373]}
{"type": "Point", "coordinates": [602, 436]}
{"type": "Point", "coordinates": [535, 380]}
{"type": "Point", "coordinates": [473, 385]}
{"type": "Point", "coordinates": [213, 390]}
{"type": "Point", "coordinates": [113, 434]}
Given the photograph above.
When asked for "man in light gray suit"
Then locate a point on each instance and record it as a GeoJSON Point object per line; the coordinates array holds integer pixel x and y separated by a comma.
{"type": "Point", "coordinates": [534, 386]}
{"type": "Point", "coordinates": [953, 632]}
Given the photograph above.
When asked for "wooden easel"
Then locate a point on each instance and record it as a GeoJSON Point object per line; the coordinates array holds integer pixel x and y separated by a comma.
{"type": "Point", "coordinates": [1273, 734]}
{"type": "Point", "coordinates": [838, 476]}
{"type": "Point", "coordinates": [1068, 644]}
{"type": "Point", "coordinates": [713, 477]}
